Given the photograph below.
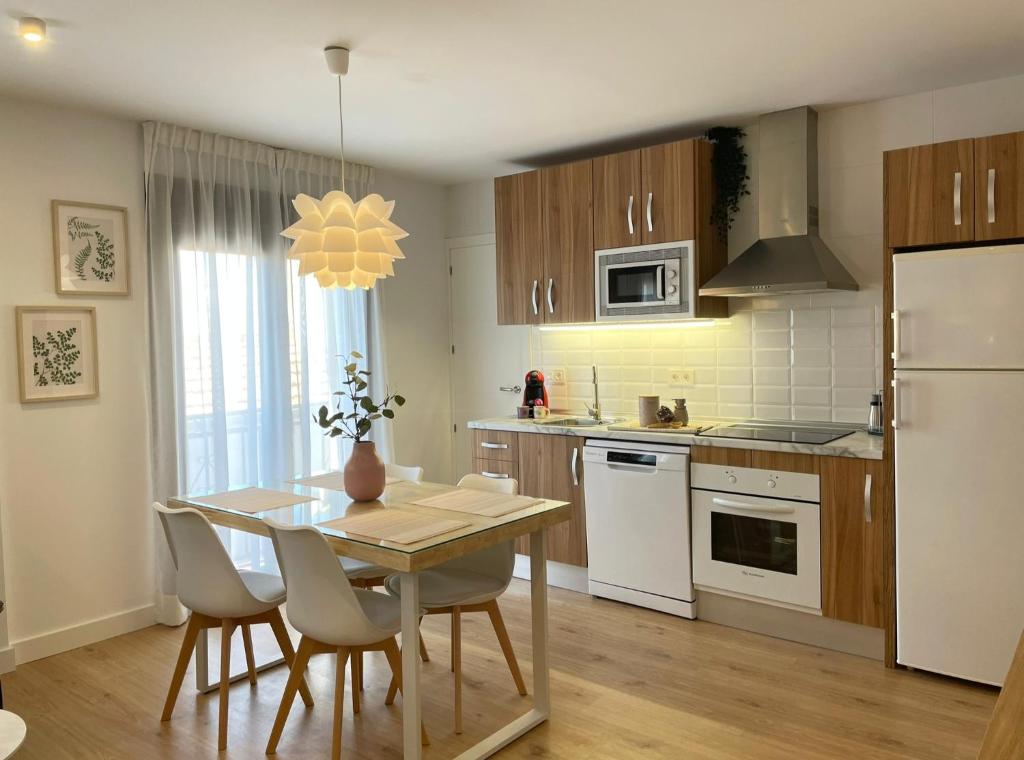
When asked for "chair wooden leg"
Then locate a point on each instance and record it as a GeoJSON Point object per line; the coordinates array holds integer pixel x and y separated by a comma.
{"type": "Point", "coordinates": [357, 677]}
{"type": "Point", "coordinates": [184, 657]}
{"type": "Point", "coordinates": [295, 678]}
{"type": "Point", "coordinates": [457, 665]}
{"type": "Point", "coordinates": [394, 656]}
{"type": "Point", "coordinates": [506, 645]}
{"type": "Point", "coordinates": [250, 658]}
{"type": "Point", "coordinates": [227, 627]}
{"type": "Point", "coordinates": [285, 643]}
{"type": "Point", "coordinates": [339, 702]}
{"type": "Point", "coordinates": [423, 646]}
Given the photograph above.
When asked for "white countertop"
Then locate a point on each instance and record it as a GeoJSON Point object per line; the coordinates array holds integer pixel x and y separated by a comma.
{"type": "Point", "coordinates": [859, 445]}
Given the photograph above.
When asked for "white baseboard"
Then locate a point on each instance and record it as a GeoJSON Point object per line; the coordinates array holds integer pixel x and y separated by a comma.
{"type": "Point", "coordinates": [82, 634]}
{"type": "Point", "coordinates": [568, 577]}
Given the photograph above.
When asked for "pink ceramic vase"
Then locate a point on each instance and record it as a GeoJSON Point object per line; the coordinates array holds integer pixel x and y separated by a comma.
{"type": "Point", "coordinates": [364, 472]}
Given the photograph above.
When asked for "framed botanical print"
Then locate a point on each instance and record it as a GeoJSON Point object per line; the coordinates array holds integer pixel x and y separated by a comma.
{"type": "Point", "coordinates": [90, 248]}
{"type": "Point", "coordinates": [57, 357]}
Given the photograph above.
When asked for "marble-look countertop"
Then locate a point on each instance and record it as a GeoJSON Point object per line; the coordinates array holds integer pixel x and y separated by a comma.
{"type": "Point", "coordinates": [858, 445]}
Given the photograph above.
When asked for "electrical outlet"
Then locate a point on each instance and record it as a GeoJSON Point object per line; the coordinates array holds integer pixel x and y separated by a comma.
{"type": "Point", "coordinates": [558, 376]}
{"type": "Point", "coordinates": [679, 377]}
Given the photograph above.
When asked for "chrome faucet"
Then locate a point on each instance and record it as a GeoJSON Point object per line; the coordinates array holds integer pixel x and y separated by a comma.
{"type": "Point", "coordinates": [595, 410]}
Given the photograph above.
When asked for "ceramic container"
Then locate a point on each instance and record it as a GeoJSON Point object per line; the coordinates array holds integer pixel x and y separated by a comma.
{"type": "Point", "coordinates": [364, 472]}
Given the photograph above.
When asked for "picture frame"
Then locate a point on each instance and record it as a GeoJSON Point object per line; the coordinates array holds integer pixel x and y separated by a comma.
{"type": "Point", "coordinates": [90, 249]}
{"type": "Point", "coordinates": [58, 358]}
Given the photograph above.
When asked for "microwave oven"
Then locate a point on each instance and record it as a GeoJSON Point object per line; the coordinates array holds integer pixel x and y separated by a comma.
{"type": "Point", "coordinates": [645, 282]}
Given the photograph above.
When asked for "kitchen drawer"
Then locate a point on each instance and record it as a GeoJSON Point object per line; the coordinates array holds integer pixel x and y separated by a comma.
{"type": "Point", "coordinates": [496, 444]}
{"type": "Point", "coordinates": [495, 468]}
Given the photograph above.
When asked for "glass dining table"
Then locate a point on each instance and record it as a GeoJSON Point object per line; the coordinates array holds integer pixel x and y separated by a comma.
{"type": "Point", "coordinates": [408, 560]}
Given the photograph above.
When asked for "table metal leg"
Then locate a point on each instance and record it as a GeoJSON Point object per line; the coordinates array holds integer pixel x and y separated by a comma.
{"type": "Point", "coordinates": [203, 685]}
{"type": "Point", "coordinates": [409, 587]}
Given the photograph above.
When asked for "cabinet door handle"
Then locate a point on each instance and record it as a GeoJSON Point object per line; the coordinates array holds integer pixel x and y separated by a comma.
{"type": "Point", "coordinates": [572, 466]}
{"type": "Point", "coordinates": [896, 335]}
{"type": "Point", "coordinates": [496, 475]}
{"type": "Point", "coordinates": [895, 404]}
{"type": "Point", "coordinates": [533, 298]}
{"type": "Point", "coordinates": [629, 215]}
{"type": "Point", "coordinates": [650, 223]}
{"type": "Point", "coordinates": [867, 498]}
{"type": "Point", "coordinates": [957, 180]}
{"type": "Point", "coordinates": [489, 445]}
{"type": "Point", "coordinates": [991, 196]}
{"type": "Point", "coordinates": [551, 303]}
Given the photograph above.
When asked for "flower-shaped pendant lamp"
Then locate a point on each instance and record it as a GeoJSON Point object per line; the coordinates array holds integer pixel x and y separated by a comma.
{"type": "Point", "coordinates": [346, 244]}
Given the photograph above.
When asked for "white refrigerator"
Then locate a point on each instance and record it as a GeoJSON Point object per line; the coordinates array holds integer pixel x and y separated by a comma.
{"type": "Point", "coordinates": [958, 414]}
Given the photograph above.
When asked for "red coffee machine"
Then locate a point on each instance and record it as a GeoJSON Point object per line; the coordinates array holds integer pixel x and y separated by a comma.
{"type": "Point", "coordinates": [535, 395]}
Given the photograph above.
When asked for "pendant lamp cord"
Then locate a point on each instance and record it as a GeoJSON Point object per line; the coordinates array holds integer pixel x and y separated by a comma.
{"type": "Point", "coordinates": [341, 135]}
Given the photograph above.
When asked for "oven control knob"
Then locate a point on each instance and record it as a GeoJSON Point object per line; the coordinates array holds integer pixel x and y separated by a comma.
{"type": "Point", "coordinates": [671, 289]}
{"type": "Point", "coordinates": [670, 274]}
{"type": "Point", "coordinates": [732, 478]}
{"type": "Point", "coordinates": [771, 483]}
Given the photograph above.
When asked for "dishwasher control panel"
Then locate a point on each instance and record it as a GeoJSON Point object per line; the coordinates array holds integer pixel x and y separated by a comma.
{"type": "Point", "coordinates": [756, 482]}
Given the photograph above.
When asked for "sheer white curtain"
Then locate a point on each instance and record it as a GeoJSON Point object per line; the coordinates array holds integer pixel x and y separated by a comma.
{"type": "Point", "coordinates": [243, 350]}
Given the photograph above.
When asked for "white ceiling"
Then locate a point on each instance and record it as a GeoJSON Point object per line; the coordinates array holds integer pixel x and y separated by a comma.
{"type": "Point", "coordinates": [457, 89]}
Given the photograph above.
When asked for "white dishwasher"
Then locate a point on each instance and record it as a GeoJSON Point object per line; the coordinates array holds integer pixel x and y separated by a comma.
{"type": "Point", "coordinates": [638, 524]}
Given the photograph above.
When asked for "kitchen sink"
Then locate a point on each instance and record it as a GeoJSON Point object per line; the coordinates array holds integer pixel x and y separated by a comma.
{"type": "Point", "coordinates": [579, 422]}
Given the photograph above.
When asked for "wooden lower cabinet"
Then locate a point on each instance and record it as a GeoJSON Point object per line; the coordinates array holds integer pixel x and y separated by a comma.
{"type": "Point", "coordinates": [852, 549]}
{"type": "Point", "coordinates": [551, 467]}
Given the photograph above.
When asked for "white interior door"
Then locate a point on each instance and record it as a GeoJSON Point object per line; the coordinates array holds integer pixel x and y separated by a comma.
{"type": "Point", "coordinates": [959, 521]}
{"type": "Point", "coordinates": [479, 372]}
{"type": "Point", "coordinates": [959, 309]}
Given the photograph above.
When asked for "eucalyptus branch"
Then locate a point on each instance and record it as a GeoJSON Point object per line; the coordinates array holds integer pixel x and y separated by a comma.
{"type": "Point", "coordinates": [356, 424]}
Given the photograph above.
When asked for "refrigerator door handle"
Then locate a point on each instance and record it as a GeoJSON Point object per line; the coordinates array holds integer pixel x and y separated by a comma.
{"type": "Point", "coordinates": [895, 404]}
{"type": "Point", "coordinates": [896, 335]}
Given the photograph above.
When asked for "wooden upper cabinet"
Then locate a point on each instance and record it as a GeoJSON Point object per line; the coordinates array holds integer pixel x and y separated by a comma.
{"type": "Point", "coordinates": [852, 564]}
{"type": "Point", "coordinates": [568, 294]}
{"type": "Point", "coordinates": [519, 242]}
{"type": "Point", "coordinates": [668, 196]}
{"type": "Point", "coordinates": [551, 467]}
{"type": "Point", "coordinates": [930, 194]}
{"type": "Point", "coordinates": [999, 187]}
{"type": "Point", "coordinates": [617, 202]}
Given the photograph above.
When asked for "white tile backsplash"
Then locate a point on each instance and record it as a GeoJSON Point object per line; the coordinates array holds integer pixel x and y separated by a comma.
{"type": "Point", "coordinates": [795, 357]}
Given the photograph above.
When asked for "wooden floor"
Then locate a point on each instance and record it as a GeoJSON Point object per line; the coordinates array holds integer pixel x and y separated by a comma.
{"type": "Point", "coordinates": [626, 683]}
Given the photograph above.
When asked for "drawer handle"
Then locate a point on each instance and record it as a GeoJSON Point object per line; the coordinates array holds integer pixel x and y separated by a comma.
{"type": "Point", "coordinates": [489, 445]}
{"type": "Point", "coordinates": [497, 475]}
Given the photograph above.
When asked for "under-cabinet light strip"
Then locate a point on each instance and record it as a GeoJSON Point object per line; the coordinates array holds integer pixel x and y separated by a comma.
{"type": "Point", "coordinates": [632, 325]}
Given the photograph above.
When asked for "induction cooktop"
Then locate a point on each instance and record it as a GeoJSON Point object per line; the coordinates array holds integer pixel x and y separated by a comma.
{"type": "Point", "coordinates": [773, 431]}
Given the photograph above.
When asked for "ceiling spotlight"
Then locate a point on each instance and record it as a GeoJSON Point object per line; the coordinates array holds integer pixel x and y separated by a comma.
{"type": "Point", "coordinates": [32, 29]}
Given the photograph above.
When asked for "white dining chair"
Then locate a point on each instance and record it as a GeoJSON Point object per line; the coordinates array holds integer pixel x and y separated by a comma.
{"type": "Point", "coordinates": [220, 596]}
{"type": "Point", "coordinates": [333, 617]}
{"type": "Point", "coordinates": [404, 472]}
{"type": "Point", "coordinates": [470, 584]}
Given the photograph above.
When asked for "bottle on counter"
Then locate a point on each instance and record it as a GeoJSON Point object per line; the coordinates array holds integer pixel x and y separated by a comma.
{"type": "Point", "coordinates": [875, 414]}
{"type": "Point", "coordinates": [682, 414]}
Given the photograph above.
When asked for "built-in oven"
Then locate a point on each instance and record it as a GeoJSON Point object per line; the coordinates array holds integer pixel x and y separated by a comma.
{"type": "Point", "coordinates": [757, 535]}
{"type": "Point", "coordinates": [645, 282]}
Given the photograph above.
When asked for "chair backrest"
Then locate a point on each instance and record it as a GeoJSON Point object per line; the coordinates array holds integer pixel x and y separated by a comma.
{"type": "Point", "coordinates": [321, 602]}
{"type": "Point", "coordinates": [404, 472]}
{"type": "Point", "coordinates": [208, 582]}
{"type": "Point", "coordinates": [495, 561]}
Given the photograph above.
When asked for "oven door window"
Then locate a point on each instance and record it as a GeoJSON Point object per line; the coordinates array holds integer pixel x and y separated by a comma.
{"type": "Point", "coordinates": [636, 284]}
{"type": "Point", "coordinates": [755, 542]}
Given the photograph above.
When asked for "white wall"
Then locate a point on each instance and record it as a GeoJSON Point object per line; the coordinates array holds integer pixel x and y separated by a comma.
{"type": "Point", "coordinates": [74, 475]}
{"type": "Point", "coordinates": [800, 357]}
{"type": "Point", "coordinates": [416, 326]}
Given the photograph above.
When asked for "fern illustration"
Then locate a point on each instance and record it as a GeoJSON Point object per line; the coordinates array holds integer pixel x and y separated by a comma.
{"type": "Point", "coordinates": [78, 227]}
{"type": "Point", "coordinates": [104, 269]}
{"type": "Point", "coordinates": [81, 259]}
{"type": "Point", "coordinates": [59, 356]}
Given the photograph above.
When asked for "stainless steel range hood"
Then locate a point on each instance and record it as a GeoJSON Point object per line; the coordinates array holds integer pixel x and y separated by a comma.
{"type": "Point", "coordinates": [790, 256]}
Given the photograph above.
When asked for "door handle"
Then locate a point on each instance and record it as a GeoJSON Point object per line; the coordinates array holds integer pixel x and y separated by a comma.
{"type": "Point", "coordinates": [742, 505]}
{"type": "Point", "coordinates": [650, 223]}
{"type": "Point", "coordinates": [572, 466]}
{"type": "Point", "coordinates": [511, 388]}
{"type": "Point", "coordinates": [867, 498]}
{"type": "Point", "coordinates": [957, 180]}
{"type": "Point", "coordinates": [896, 335]}
{"type": "Point", "coordinates": [533, 298]}
{"type": "Point", "coordinates": [895, 404]}
{"type": "Point", "coordinates": [629, 215]}
{"type": "Point", "coordinates": [991, 196]}
{"type": "Point", "coordinates": [551, 303]}
{"type": "Point", "coordinates": [495, 475]}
